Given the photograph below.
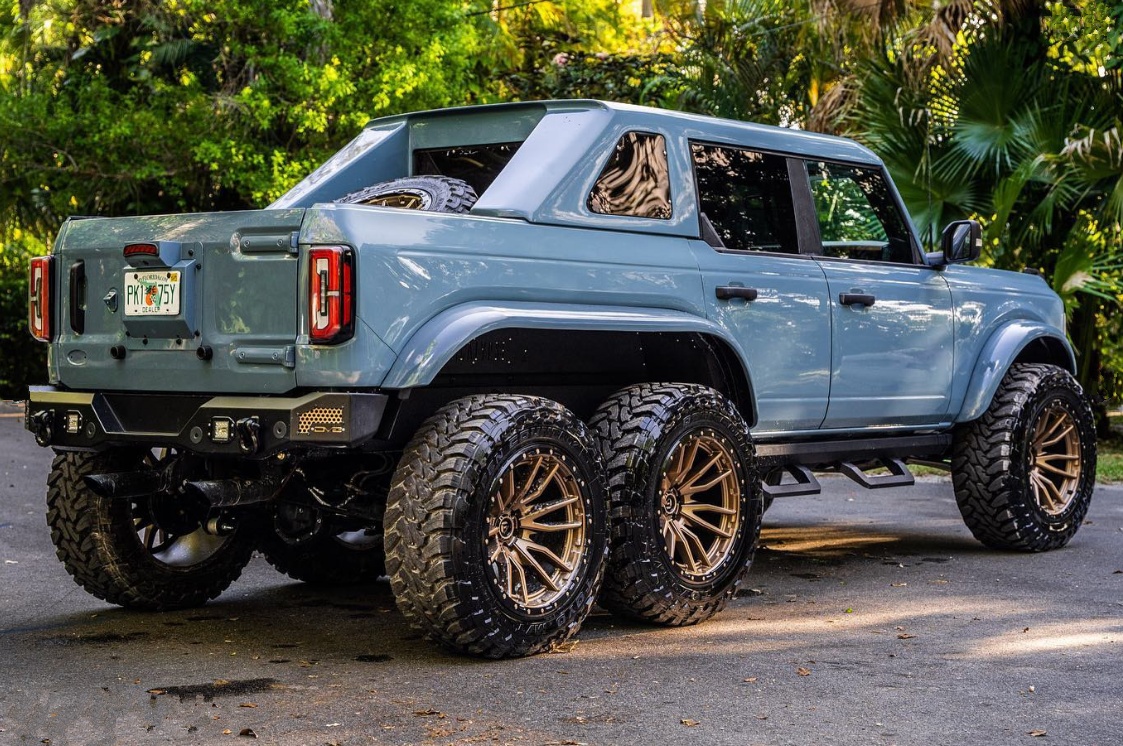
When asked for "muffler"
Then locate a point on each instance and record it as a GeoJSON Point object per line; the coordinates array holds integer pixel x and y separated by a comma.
{"type": "Point", "coordinates": [228, 493]}
{"type": "Point", "coordinates": [125, 484]}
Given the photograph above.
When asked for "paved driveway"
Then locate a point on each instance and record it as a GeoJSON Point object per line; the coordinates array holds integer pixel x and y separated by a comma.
{"type": "Point", "coordinates": [875, 618]}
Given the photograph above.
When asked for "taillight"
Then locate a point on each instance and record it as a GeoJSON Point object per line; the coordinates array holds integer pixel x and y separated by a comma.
{"type": "Point", "coordinates": [331, 294]}
{"type": "Point", "coordinates": [39, 298]}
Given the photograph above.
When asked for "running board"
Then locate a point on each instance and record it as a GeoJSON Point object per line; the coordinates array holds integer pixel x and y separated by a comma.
{"type": "Point", "coordinates": [804, 482]}
{"type": "Point", "coordinates": [898, 476]}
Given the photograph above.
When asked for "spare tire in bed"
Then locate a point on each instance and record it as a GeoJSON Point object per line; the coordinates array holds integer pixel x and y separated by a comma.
{"type": "Point", "coordinates": [429, 193]}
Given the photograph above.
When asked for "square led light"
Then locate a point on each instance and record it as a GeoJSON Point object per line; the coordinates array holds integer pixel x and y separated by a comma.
{"type": "Point", "coordinates": [222, 429]}
{"type": "Point", "coordinates": [73, 422]}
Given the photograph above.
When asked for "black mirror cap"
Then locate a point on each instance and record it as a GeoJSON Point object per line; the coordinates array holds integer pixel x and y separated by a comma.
{"type": "Point", "coordinates": [962, 241]}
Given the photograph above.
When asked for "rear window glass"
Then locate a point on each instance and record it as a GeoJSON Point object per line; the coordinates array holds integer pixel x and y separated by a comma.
{"type": "Point", "coordinates": [476, 164]}
{"type": "Point", "coordinates": [746, 197]}
{"type": "Point", "coordinates": [636, 180]}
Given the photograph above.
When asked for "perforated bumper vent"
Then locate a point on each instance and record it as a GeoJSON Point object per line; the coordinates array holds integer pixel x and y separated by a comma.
{"type": "Point", "coordinates": [320, 420]}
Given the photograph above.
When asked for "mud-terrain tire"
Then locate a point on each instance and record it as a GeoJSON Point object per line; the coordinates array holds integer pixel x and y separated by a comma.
{"type": "Point", "coordinates": [98, 540]}
{"type": "Point", "coordinates": [658, 440]}
{"type": "Point", "coordinates": [328, 553]}
{"type": "Point", "coordinates": [427, 193]}
{"type": "Point", "coordinates": [1024, 471]}
{"type": "Point", "coordinates": [488, 489]}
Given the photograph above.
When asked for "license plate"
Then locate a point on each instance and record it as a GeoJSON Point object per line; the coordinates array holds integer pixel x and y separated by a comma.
{"type": "Point", "coordinates": [152, 293]}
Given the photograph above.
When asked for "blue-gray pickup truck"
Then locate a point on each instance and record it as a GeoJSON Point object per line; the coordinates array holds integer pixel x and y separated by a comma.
{"type": "Point", "coordinates": [528, 357]}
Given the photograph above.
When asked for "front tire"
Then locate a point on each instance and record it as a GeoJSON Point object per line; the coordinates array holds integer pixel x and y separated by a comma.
{"type": "Point", "coordinates": [1024, 472]}
{"type": "Point", "coordinates": [685, 502]}
{"type": "Point", "coordinates": [148, 553]}
{"type": "Point", "coordinates": [495, 526]}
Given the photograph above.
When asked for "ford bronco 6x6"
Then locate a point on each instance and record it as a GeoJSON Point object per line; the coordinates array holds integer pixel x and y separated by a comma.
{"type": "Point", "coordinates": [524, 357]}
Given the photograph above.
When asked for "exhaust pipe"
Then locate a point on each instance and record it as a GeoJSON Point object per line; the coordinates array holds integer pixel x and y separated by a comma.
{"type": "Point", "coordinates": [125, 484]}
{"type": "Point", "coordinates": [229, 493]}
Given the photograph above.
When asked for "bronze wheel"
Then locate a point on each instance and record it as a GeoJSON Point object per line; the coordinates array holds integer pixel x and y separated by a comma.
{"type": "Point", "coordinates": [405, 199]}
{"type": "Point", "coordinates": [685, 501]}
{"type": "Point", "coordinates": [1054, 472]}
{"type": "Point", "coordinates": [536, 530]}
{"type": "Point", "coordinates": [1024, 471]}
{"type": "Point", "coordinates": [699, 505]}
{"type": "Point", "coordinates": [495, 525]}
{"type": "Point", "coordinates": [425, 192]}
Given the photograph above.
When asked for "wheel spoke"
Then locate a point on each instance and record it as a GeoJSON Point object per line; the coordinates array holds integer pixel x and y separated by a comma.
{"type": "Point", "coordinates": [701, 472]}
{"type": "Point", "coordinates": [1052, 494]}
{"type": "Point", "coordinates": [1057, 438]}
{"type": "Point", "coordinates": [1041, 464]}
{"type": "Point", "coordinates": [686, 462]}
{"type": "Point", "coordinates": [708, 485]}
{"type": "Point", "coordinates": [1055, 420]}
{"type": "Point", "coordinates": [547, 508]}
{"type": "Point", "coordinates": [537, 526]}
{"type": "Point", "coordinates": [507, 491]}
{"type": "Point", "coordinates": [701, 561]}
{"type": "Point", "coordinates": [524, 548]}
{"type": "Point", "coordinates": [690, 516]}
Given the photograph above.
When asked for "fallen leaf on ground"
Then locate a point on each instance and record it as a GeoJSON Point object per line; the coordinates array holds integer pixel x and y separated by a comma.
{"type": "Point", "coordinates": [247, 733]}
{"type": "Point", "coordinates": [749, 680]}
{"type": "Point", "coordinates": [803, 671]}
{"type": "Point", "coordinates": [898, 585]}
{"type": "Point", "coordinates": [248, 704]}
{"type": "Point", "coordinates": [428, 712]}
{"type": "Point", "coordinates": [565, 647]}
{"type": "Point", "coordinates": [690, 723]}
{"type": "Point", "coordinates": [1038, 733]}
{"type": "Point", "coordinates": [905, 636]}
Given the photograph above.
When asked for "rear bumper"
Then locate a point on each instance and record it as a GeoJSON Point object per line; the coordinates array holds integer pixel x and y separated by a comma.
{"type": "Point", "coordinates": [253, 426]}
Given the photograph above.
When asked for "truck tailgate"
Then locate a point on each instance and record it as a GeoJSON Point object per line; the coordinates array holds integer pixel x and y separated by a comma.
{"type": "Point", "coordinates": [205, 302]}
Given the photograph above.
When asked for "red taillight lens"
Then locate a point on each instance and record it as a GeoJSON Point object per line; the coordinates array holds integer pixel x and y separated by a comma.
{"type": "Point", "coordinates": [39, 298]}
{"type": "Point", "coordinates": [331, 294]}
{"type": "Point", "coordinates": [141, 249]}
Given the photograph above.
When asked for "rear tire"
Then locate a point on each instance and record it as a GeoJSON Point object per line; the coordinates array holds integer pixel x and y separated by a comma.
{"type": "Point", "coordinates": [679, 551]}
{"type": "Point", "coordinates": [1024, 472]}
{"type": "Point", "coordinates": [495, 526]}
{"type": "Point", "coordinates": [146, 553]}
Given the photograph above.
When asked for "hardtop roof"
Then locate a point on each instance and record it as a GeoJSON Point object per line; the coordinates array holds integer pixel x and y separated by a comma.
{"type": "Point", "coordinates": [696, 126]}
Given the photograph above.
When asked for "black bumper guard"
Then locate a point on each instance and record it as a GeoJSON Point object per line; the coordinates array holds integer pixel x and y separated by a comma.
{"type": "Point", "coordinates": [219, 425]}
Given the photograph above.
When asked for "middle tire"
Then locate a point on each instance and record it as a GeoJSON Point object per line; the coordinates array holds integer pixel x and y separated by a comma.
{"type": "Point", "coordinates": [495, 525]}
{"type": "Point", "coordinates": [685, 501]}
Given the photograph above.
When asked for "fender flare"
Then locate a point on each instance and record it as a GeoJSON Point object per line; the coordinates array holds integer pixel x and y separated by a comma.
{"type": "Point", "coordinates": [1001, 350]}
{"type": "Point", "coordinates": [437, 341]}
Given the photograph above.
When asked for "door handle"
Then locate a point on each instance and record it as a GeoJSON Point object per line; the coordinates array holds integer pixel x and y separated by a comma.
{"type": "Point", "coordinates": [728, 292]}
{"type": "Point", "coordinates": [856, 299]}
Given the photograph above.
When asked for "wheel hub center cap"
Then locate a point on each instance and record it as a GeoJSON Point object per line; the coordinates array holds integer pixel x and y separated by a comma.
{"type": "Point", "coordinates": [669, 503]}
{"type": "Point", "coordinates": [507, 527]}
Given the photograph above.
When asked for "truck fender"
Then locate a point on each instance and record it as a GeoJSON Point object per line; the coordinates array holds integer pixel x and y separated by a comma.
{"type": "Point", "coordinates": [437, 341]}
{"type": "Point", "coordinates": [1004, 347]}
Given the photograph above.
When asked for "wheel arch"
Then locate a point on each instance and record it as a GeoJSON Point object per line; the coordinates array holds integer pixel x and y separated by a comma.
{"type": "Point", "coordinates": [1019, 341]}
{"type": "Point", "coordinates": [574, 354]}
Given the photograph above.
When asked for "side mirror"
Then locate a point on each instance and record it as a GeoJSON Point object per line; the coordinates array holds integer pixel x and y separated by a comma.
{"type": "Point", "coordinates": [962, 241]}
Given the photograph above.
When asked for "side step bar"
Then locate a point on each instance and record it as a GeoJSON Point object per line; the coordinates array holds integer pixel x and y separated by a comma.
{"type": "Point", "coordinates": [788, 466]}
{"type": "Point", "coordinates": [804, 482]}
{"type": "Point", "coordinates": [898, 476]}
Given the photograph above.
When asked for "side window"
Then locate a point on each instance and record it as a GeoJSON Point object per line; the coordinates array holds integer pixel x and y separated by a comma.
{"type": "Point", "coordinates": [858, 218]}
{"type": "Point", "coordinates": [745, 199]}
{"type": "Point", "coordinates": [636, 181]}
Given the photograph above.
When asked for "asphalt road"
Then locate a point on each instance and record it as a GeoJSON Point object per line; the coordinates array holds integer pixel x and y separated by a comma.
{"type": "Point", "coordinates": [875, 618]}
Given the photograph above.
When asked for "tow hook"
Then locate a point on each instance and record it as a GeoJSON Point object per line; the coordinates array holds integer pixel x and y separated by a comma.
{"type": "Point", "coordinates": [41, 424]}
{"type": "Point", "coordinates": [249, 434]}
